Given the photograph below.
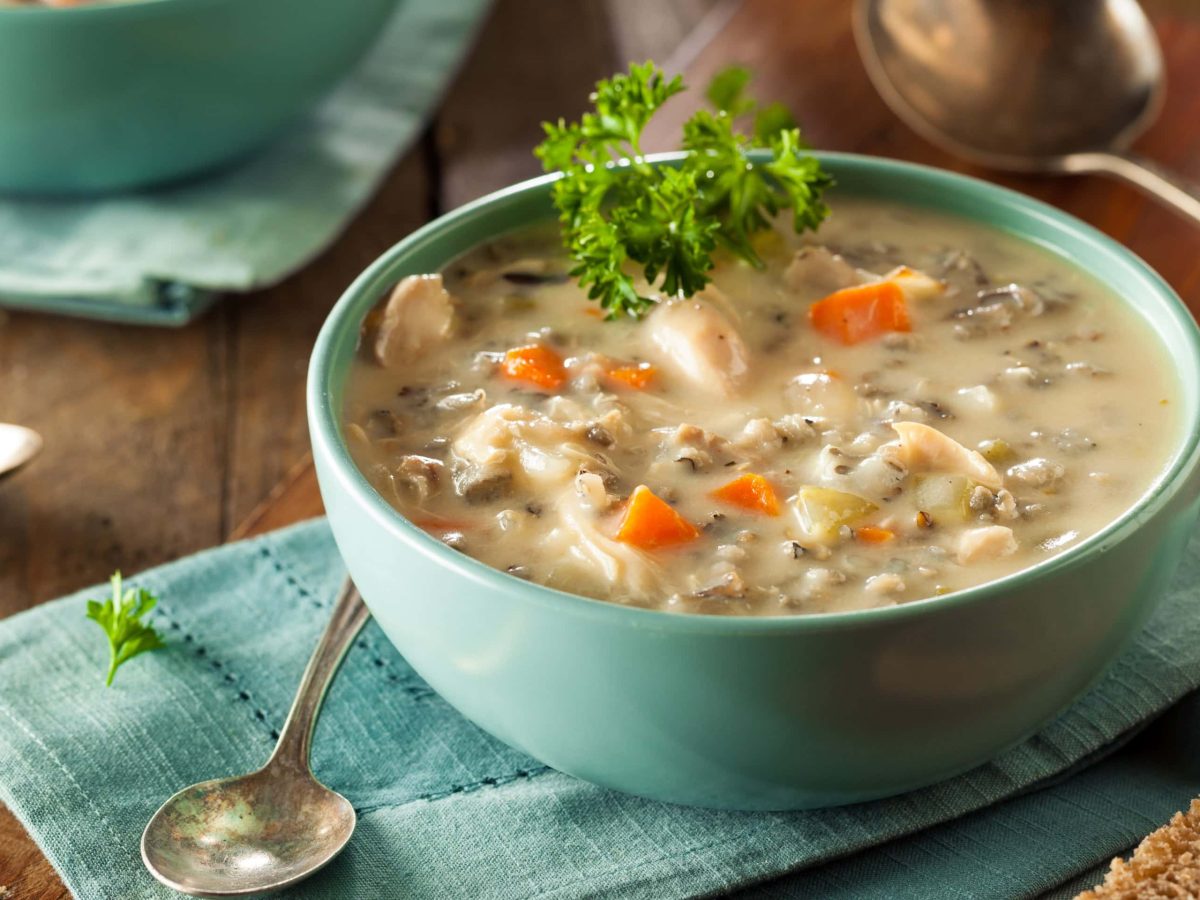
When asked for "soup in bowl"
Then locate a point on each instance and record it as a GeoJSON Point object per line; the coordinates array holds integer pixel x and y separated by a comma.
{"type": "Point", "coordinates": [853, 522]}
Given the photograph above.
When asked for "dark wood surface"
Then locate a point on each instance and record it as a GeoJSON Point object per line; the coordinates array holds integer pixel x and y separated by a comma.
{"type": "Point", "coordinates": [160, 443]}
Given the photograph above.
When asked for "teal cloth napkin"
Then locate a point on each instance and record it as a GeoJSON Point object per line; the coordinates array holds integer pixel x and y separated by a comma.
{"type": "Point", "coordinates": [447, 811]}
{"type": "Point", "coordinates": [162, 256]}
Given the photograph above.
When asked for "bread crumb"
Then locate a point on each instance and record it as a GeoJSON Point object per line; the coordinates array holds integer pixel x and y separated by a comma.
{"type": "Point", "coordinates": [1165, 866]}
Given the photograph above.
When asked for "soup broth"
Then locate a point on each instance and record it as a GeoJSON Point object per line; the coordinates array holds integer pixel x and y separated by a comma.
{"type": "Point", "coordinates": [901, 406]}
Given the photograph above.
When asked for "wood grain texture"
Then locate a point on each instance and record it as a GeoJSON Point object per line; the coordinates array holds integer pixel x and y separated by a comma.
{"type": "Point", "coordinates": [159, 442]}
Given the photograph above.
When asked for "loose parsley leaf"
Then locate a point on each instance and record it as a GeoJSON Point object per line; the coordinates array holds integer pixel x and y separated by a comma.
{"type": "Point", "coordinates": [119, 617]}
{"type": "Point", "coordinates": [616, 209]}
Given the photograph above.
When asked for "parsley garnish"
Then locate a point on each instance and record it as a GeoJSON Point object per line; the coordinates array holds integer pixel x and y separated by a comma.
{"type": "Point", "coordinates": [616, 208]}
{"type": "Point", "coordinates": [119, 617]}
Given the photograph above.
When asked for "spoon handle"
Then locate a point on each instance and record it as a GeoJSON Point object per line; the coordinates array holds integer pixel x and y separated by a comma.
{"type": "Point", "coordinates": [349, 616]}
{"type": "Point", "coordinates": [1145, 174]}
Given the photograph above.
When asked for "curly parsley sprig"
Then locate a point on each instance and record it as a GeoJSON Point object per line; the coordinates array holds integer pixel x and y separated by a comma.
{"type": "Point", "coordinates": [617, 209]}
{"type": "Point", "coordinates": [120, 617]}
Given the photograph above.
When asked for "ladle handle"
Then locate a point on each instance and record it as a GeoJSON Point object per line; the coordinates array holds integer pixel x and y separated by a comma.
{"type": "Point", "coordinates": [1145, 174]}
{"type": "Point", "coordinates": [349, 616]}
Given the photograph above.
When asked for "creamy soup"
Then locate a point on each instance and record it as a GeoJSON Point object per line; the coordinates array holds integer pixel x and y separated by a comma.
{"type": "Point", "coordinates": [901, 406]}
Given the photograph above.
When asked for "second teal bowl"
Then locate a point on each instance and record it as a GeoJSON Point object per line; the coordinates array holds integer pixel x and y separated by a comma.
{"type": "Point", "coordinates": [747, 713]}
{"type": "Point", "coordinates": [112, 96]}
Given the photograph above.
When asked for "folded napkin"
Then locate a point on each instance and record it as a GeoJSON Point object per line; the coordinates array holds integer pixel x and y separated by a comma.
{"type": "Point", "coordinates": [447, 811]}
{"type": "Point", "coordinates": [162, 256]}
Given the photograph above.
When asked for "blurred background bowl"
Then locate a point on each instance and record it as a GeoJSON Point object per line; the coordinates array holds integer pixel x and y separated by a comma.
{"type": "Point", "coordinates": [113, 96]}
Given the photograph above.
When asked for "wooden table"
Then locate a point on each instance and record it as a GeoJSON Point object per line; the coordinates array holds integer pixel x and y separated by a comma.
{"type": "Point", "coordinates": [160, 443]}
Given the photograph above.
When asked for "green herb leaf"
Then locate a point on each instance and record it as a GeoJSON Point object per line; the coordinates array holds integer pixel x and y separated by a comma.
{"type": "Point", "coordinates": [727, 91]}
{"type": "Point", "coordinates": [617, 212]}
{"type": "Point", "coordinates": [120, 616]}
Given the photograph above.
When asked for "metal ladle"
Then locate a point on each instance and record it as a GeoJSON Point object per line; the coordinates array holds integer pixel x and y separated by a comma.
{"type": "Point", "coordinates": [262, 832]}
{"type": "Point", "coordinates": [1052, 86]}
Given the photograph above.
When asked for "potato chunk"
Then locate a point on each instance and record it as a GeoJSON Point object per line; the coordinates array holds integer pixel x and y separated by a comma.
{"type": "Point", "coordinates": [698, 344]}
{"type": "Point", "coordinates": [418, 315]}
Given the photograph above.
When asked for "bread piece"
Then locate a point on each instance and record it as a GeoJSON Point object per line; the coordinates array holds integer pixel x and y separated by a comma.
{"type": "Point", "coordinates": [1165, 866]}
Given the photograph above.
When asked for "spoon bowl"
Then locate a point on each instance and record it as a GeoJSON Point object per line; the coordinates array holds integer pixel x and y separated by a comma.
{"type": "Point", "coordinates": [1023, 85]}
{"type": "Point", "coordinates": [257, 833]}
{"type": "Point", "coordinates": [251, 834]}
{"type": "Point", "coordinates": [18, 445]}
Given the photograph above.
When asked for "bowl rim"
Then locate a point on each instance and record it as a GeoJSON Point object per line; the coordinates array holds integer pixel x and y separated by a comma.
{"type": "Point", "coordinates": [342, 325]}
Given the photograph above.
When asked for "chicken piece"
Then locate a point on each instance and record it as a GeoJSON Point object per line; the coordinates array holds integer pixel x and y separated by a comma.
{"type": "Point", "coordinates": [884, 584]}
{"type": "Point", "coordinates": [822, 395]}
{"type": "Point", "coordinates": [759, 436]}
{"type": "Point", "coordinates": [818, 582]}
{"type": "Point", "coordinates": [925, 449]}
{"type": "Point", "coordinates": [1038, 473]}
{"type": "Point", "coordinates": [819, 271]}
{"type": "Point", "coordinates": [510, 443]}
{"type": "Point", "coordinates": [693, 445]}
{"type": "Point", "coordinates": [584, 554]}
{"type": "Point", "coordinates": [988, 542]}
{"type": "Point", "coordinates": [981, 397]}
{"type": "Point", "coordinates": [420, 474]}
{"type": "Point", "coordinates": [419, 314]}
{"type": "Point", "coordinates": [877, 476]}
{"type": "Point", "coordinates": [698, 344]}
{"type": "Point", "coordinates": [915, 284]}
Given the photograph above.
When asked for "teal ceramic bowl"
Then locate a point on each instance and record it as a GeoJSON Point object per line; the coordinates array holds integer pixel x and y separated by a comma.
{"type": "Point", "coordinates": [112, 96]}
{"type": "Point", "coordinates": [775, 713]}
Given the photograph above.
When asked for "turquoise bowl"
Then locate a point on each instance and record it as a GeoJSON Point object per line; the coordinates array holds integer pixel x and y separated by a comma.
{"type": "Point", "coordinates": [776, 713]}
{"type": "Point", "coordinates": [112, 96]}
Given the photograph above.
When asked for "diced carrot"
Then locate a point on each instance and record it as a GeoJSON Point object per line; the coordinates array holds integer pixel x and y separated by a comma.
{"type": "Point", "coordinates": [594, 311]}
{"type": "Point", "coordinates": [438, 525]}
{"type": "Point", "coordinates": [873, 534]}
{"type": "Point", "coordinates": [859, 313]}
{"type": "Point", "coordinates": [750, 491]}
{"type": "Point", "coordinates": [649, 522]}
{"type": "Point", "coordinates": [638, 377]}
{"type": "Point", "coordinates": [536, 364]}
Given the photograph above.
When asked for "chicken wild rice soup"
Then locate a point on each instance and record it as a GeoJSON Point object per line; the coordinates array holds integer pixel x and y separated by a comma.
{"type": "Point", "coordinates": [902, 406]}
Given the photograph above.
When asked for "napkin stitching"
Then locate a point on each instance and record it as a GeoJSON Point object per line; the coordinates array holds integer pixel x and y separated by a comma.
{"type": "Point", "coordinates": [472, 786]}
{"type": "Point", "coordinates": [50, 754]}
{"type": "Point", "coordinates": [291, 579]}
{"type": "Point", "coordinates": [416, 691]}
{"type": "Point", "coordinates": [230, 678]}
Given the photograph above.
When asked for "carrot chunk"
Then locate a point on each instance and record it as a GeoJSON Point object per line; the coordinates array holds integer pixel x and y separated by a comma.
{"type": "Point", "coordinates": [650, 523]}
{"type": "Point", "coordinates": [859, 313]}
{"type": "Point", "coordinates": [536, 364]}
{"type": "Point", "coordinates": [638, 377]}
{"type": "Point", "coordinates": [751, 492]}
{"type": "Point", "coordinates": [873, 534]}
{"type": "Point", "coordinates": [437, 525]}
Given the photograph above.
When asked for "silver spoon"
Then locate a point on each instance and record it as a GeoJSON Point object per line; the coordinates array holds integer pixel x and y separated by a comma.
{"type": "Point", "coordinates": [18, 445]}
{"type": "Point", "coordinates": [1054, 86]}
{"type": "Point", "coordinates": [267, 830]}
